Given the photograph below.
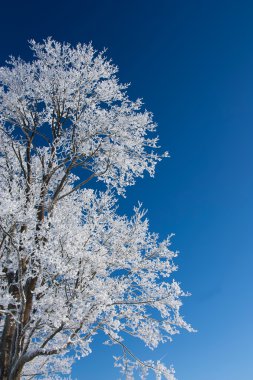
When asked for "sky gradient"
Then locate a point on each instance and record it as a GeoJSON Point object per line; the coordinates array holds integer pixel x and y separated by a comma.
{"type": "Point", "coordinates": [192, 63]}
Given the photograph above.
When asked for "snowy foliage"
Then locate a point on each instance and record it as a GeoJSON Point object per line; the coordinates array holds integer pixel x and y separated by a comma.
{"type": "Point", "coordinates": [71, 266]}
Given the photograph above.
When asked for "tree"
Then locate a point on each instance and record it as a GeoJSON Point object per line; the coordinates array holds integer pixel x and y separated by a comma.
{"type": "Point", "coordinates": [71, 266]}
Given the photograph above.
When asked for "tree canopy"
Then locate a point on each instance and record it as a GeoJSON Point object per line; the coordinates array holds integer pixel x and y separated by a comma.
{"type": "Point", "coordinates": [71, 265]}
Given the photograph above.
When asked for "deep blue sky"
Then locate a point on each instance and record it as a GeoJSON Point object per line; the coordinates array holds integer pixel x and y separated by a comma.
{"type": "Point", "coordinates": [192, 62]}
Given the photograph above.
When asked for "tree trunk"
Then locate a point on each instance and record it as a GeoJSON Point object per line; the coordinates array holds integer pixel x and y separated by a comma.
{"type": "Point", "coordinates": [6, 345]}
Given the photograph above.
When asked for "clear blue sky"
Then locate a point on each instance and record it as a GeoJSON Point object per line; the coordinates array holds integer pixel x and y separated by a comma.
{"type": "Point", "coordinates": [192, 62]}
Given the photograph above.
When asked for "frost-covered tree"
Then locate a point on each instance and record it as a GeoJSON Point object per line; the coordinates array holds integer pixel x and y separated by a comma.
{"type": "Point", "coordinates": [71, 266]}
